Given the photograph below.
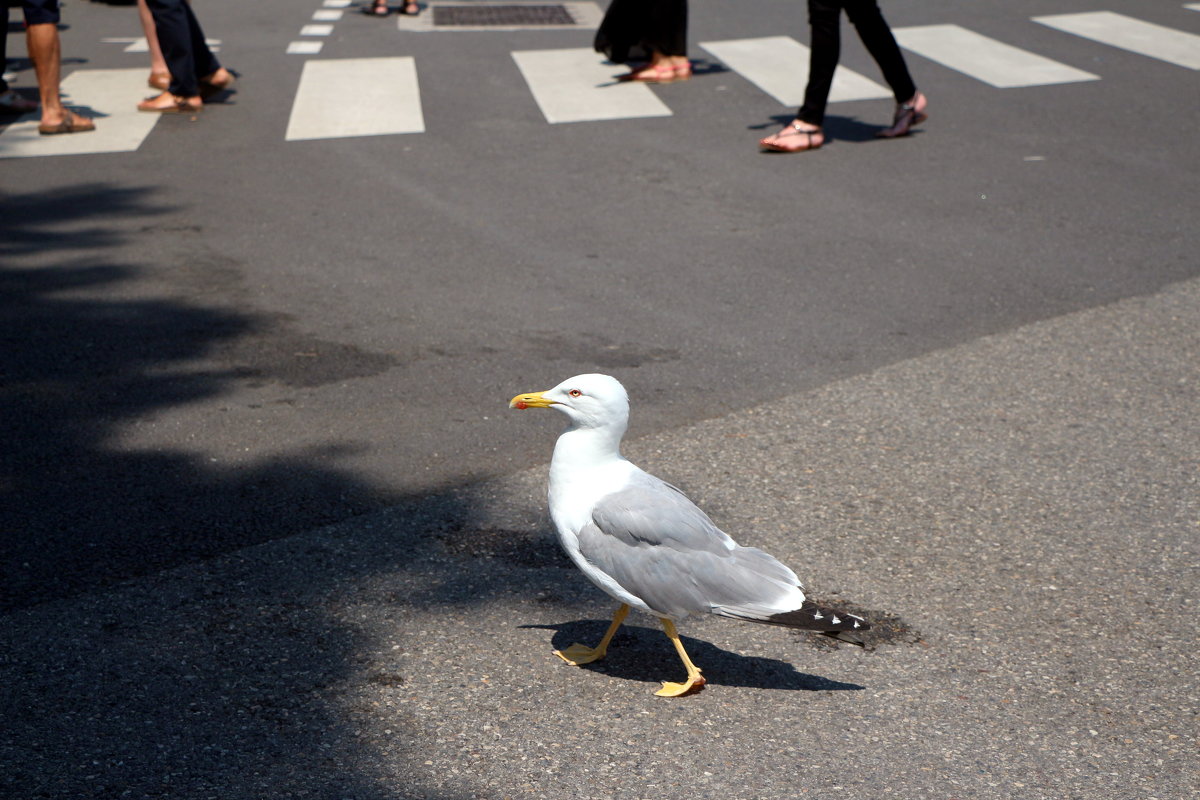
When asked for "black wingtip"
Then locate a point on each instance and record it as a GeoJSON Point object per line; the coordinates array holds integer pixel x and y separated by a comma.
{"type": "Point", "coordinates": [812, 617]}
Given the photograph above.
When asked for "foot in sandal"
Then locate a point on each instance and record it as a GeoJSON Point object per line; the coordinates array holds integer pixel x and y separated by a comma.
{"type": "Point", "coordinates": [908, 115]}
{"type": "Point", "coordinates": [797, 137]}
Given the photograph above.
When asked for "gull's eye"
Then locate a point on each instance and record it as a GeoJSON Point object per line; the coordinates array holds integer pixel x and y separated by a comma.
{"type": "Point", "coordinates": [575, 393]}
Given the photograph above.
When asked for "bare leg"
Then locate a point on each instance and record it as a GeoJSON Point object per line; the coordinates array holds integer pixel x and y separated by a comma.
{"type": "Point", "coordinates": [695, 681]}
{"type": "Point", "coordinates": [46, 53]}
{"type": "Point", "coordinates": [160, 76]}
{"type": "Point", "coordinates": [578, 654]}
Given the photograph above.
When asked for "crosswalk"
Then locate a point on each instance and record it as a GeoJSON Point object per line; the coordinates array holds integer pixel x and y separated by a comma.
{"type": "Point", "coordinates": [1127, 33]}
{"type": "Point", "coordinates": [120, 126]}
{"type": "Point", "coordinates": [338, 98]}
{"type": "Point", "coordinates": [779, 66]}
{"type": "Point", "coordinates": [994, 63]}
{"type": "Point", "coordinates": [373, 97]}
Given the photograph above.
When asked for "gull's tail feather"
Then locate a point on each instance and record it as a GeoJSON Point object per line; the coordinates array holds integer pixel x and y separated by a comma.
{"type": "Point", "coordinates": [812, 617]}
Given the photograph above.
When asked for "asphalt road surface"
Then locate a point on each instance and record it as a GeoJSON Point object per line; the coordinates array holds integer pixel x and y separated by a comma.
{"type": "Point", "coordinates": [269, 530]}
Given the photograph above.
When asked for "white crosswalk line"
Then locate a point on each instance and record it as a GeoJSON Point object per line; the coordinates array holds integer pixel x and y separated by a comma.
{"type": "Point", "coordinates": [338, 98]}
{"type": "Point", "coordinates": [995, 63]}
{"type": "Point", "coordinates": [1192, 6]}
{"type": "Point", "coordinates": [779, 66]}
{"type": "Point", "coordinates": [307, 47]}
{"type": "Point", "coordinates": [575, 85]}
{"type": "Point", "coordinates": [110, 96]}
{"type": "Point", "coordinates": [1127, 33]}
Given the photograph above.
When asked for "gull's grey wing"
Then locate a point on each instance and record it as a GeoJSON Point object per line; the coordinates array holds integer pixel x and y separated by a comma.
{"type": "Point", "coordinates": [660, 547]}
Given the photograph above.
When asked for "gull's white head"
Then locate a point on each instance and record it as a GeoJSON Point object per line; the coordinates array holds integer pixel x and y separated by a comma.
{"type": "Point", "coordinates": [590, 401]}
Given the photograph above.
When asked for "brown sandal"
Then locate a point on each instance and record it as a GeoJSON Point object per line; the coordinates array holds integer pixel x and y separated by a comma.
{"type": "Point", "coordinates": [72, 123]}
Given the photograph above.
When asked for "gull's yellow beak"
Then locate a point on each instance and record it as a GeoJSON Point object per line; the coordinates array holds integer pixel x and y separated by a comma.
{"type": "Point", "coordinates": [531, 400]}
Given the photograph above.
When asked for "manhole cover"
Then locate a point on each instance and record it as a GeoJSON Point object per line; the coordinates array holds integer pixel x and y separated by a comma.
{"type": "Point", "coordinates": [497, 15]}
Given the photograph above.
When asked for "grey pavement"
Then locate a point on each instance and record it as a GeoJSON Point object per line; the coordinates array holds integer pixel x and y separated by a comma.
{"type": "Point", "coordinates": [225, 338]}
{"type": "Point", "coordinates": [1023, 507]}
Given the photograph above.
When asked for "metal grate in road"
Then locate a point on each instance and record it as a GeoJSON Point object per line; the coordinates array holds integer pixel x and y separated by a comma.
{"type": "Point", "coordinates": [485, 16]}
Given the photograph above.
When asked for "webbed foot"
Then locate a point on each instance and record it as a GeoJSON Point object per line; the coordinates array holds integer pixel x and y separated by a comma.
{"type": "Point", "coordinates": [579, 654]}
{"type": "Point", "coordinates": [692, 685]}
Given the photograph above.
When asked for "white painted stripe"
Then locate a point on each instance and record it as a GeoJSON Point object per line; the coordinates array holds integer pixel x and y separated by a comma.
{"type": "Point", "coordinates": [779, 66]}
{"type": "Point", "coordinates": [110, 96]}
{"type": "Point", "coordinates": [336, 3]}
{"type": "Point", "coordinates": [140, 45]}
{"type": "Point", "coordinates": [1127, 33]}
{"type": "Point", "coordinates": [316, 30]}
{"type": "Point", "coordinates": [995, 63]}
{"type": "Point", "coordinates": [356, 97]}
{"type": "Point", "coordinates": [1192, 6]}
{"type": "Point", "coordinates": [327, 15]}
{"type": "Point", "coordinates": [309, 48]}
{"type": "Point", "coordinates": [575, 85]}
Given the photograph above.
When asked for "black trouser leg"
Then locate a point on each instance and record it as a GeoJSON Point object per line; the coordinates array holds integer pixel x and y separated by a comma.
{"type": "Point", "coordinates": [182, 42]}
{"type": "Point", "coordinates": [881, 44]}
{"type": "Point", "coordinates": [205, 62]}
{"type": "Point", "coordinates": [824, 16]}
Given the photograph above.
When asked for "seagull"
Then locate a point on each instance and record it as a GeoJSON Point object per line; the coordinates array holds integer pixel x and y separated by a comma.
{"type": "Point", "coordinates": [643, 542]}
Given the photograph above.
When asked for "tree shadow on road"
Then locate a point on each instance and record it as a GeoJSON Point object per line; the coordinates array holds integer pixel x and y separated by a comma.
{"type": "Point", "coordinates": [86, 350]}
{"type": "Point", "coordinates": [163, 687]}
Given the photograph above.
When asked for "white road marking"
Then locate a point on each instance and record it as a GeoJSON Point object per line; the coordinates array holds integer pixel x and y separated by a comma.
{"type": "Point", "coordinates": [309, 48]}
{"type": "Point", "coordinates": [575, 85]}
{"type": "Point", "coordinates": [138, 44]}
{"type": "Point", "coordinates": [336, 3]}
{"type": "Point", "coordinates": [316, 30]}
{"type": "Point", "coordinates": [995, 63]}
{"type": "Point", "coordinates": [779, 66]}
{"type": "Point", "coordinates": [110, 96]}
{"type": "Point", "coordinates": [338, 98]}
{"type": "Point", "coordinates": [327, 15]}
{"type": "Point", "coordinates": [1127, 33]}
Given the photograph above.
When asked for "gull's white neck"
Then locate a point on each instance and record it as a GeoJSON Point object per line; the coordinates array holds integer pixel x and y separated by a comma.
{"type": "Point", "coordinates": [587, 465]}
{"type": "Point", "coordinates": [580, 449]}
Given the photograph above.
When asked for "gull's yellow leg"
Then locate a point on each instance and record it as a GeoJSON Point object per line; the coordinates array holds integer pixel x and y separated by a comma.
{"type": "Point", "coordinates": [578, 654]}
{"type": "Point", "coordinates": [695, 681]}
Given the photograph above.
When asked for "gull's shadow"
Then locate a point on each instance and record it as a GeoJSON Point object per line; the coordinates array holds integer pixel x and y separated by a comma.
{"type": "Point", "coordinates": [645, 654]}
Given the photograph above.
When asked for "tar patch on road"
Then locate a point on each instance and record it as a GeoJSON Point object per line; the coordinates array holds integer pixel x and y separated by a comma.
{"type": "Point", "coordinates": [886, 627]}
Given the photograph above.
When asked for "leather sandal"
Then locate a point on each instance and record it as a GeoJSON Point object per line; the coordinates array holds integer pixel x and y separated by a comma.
{"type": "Point", "coordinates": [796, 131]}
{"type": "Point", "coordinates": [907, 117]}
{"type": "Point", "coordinates": [72, 123]}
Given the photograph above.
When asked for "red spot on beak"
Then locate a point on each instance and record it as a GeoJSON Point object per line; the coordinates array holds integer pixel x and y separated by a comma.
{"type": "Point", "coordinates": [521, 404]}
